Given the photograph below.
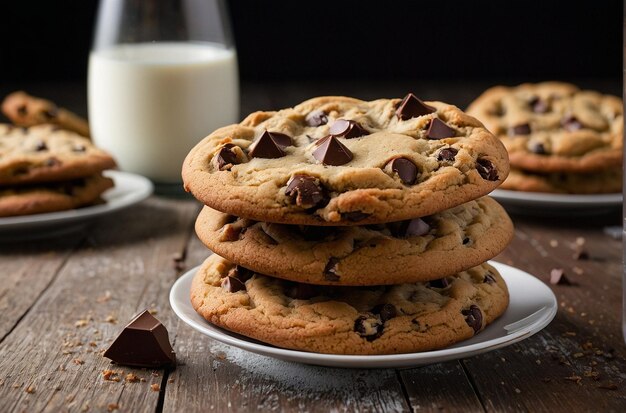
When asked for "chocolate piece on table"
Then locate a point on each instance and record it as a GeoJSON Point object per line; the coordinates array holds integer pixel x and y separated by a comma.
{"type": "Point", "coordinates": [412, 107]}
{"type": "Point", "coordinates": [332, 152]}
{"type": "Point", "coordinates": [144, 342]}
{"type": "Point", "coordinates": [270, 145]}
{"type": "Point", "coordinates": [522, 129]}
{"type": "Point", "coordinates": [447, 154]}
{"type": "Point", "coordinates": [486, 169]}
{"type": "Point", "coordinates": [406, 170]}
{"type": "Point", "coordinates": [439, 130]}
{"type": "Point", "coordinates": [473, 317]}
{"type": "Point", "coordinates": [557, 277]}
{"type": "Point", "coordinates": [347, 129]}
{"type": "Point", "coordinates": [316, 118]}
{"type": "Point", "coordinates": [305, 191]}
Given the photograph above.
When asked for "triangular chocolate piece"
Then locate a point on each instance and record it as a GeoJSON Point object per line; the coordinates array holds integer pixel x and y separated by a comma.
{"type": "Point", "coordinates": [406, 170]}
{"type": "Point", "coordinates": [347, 129]}
{"type": "Point", "coordinates": [270, 145]}
{"type": "Point", "coordinates": [412, 107]}
{"type": "Point", "coordinates": [332, 152]}
{"type": "Point", "coordinates": [144, 342]}
{"type": "Point", "coordinates": [439, 130]}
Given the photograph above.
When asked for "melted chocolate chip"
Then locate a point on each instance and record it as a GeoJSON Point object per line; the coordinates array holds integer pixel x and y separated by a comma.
{"type": "Point", "coordinates": [410, 228]}
{"type": "Point", "coordinates": [447, 154]}
{"type": "Point", "coordinates": [486, 169]}
{"type": "Point", "coordinates": [368, 327]}
{"type": "Point", "coordinates": [354, 216]}
{"type": "Point", "coordinates": [226, 157]}
{"type": "Point", "coordinates": [466, 241]}
{"type": "Point", "coordinates": [538, 105]}
{"type": "Point", "coordinates": [305, 191]}
{"type": "Point", "coordinates": [385, 311]}
{"type": "Point", "coordinates": [406, 170]}
{"type": "Point", "coordinates": [316, 118]}
{"type": "Point", "coordinates": [270, 145]}
{"type": "Point", "coordinates": [412, 107]}
{"type": "Point", "coordinates": [523, 129]}
{"type": "Point", "coordinates": [571, 123]}
{"type": "Point", "coordinates": [538, 148]}
{"type": "Point", "coordinates": [241, 273]}
{"type": "Point", "coordinates": [439, 130]}
{"type": "Point", "coordinates": [489, 279]}
{"type": "Point", "coordinates": [232, 284]}
{"type": "Point", "coordinates": [473, 317]}
{"type": "Point", "coordinates": [330, 270]}
{"type": "Point", "coordinates": [440, 283]}
{"type": "Point", "coordinates": [332, 152]}
{"type": "Point", "coordinates": [41, 146]}
{"type": "Point", "coordinates": [347, 129]}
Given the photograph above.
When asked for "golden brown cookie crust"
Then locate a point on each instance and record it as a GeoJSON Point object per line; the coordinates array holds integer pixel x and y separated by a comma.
{"type": "Point", "coordinates": [456, 239]}
{"type": "Point", "coordinates": [46, 154]}
{"type": "Point", "coordinates": [574, 130]}
{"type": "Point", "coordinates": [352, 320]}
{"type": "Point", "coordinates": [363, 187]}
{"type": "Point", "coordinates": [50, 197]}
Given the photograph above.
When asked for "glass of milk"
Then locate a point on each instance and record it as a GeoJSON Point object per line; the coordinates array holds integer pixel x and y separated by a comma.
{"type": "Point", "coordinates": [162, 76]}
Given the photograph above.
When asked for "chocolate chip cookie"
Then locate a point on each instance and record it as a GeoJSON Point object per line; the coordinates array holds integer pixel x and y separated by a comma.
{"type": "Point", "coordinates": [605, 181]}
{"type": "Point", "coordinates": [52, 196]}
{"type": "Point", "coordinates": [420, 249]}
{"type": "Point", "coordinates": [342, 161]}
{"type": "Point", "coordinates": [46, 154]}
{"type": "Point", "coordinates": [553, 126]}
{"type": "Point", "coordinates": [26, 110]}
{"type": "Point", "coordinates": [349, 320]}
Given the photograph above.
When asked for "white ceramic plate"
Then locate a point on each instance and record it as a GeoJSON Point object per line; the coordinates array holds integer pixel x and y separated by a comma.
{"type": "Point", "coordinates": [537, 203]}
{"type": "Point", "coordinates": [532, 307]}
{"type": "Point", "coordinates": [129, 189]}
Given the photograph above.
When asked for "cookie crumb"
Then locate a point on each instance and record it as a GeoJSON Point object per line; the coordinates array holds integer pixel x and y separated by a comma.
{"type": "Point", "coordinates": [153, 311]}
{"type": "Point", "coordinates": [155, 387]}
{"type": "Point", "coordinates": [81, 323]}
{"type": "Point", "coordinates": [112, 406]}
{"type": "Point", "coordinates": [576, 379]}
{"type": "Point", "coordinates": [104, 298]}
{"type": "Point", "coordinates": [110, 375]}
{"type": "Point", "coordinates": [170, 381]}
{"type": "Point", "coordinates": [580, 241]}
{"type": "Point", "coordinates": [554, 243]}
{"type": "Point", "coordinates": [111, 319]}
{"type": "Point", "coordinates": [131, 378]}
{"type": "Point", "coordinates": [78, 362]}
{"type": "Point", "coordinates": [30, 389]}
{"type": "Point", "coordinates": [518, 391]}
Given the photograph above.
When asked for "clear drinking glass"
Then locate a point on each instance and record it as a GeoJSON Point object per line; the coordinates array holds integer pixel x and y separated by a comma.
{"type": "Point", "coordinates": [162, 75]}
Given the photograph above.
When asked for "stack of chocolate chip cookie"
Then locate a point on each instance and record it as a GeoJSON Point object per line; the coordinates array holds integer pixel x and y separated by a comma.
{"type": "Point", "coordinates": [44, 169]}
{"type": "Point", "coordinates": [351, 227]}
{"type": "Point", "coordinates": [559, 138]}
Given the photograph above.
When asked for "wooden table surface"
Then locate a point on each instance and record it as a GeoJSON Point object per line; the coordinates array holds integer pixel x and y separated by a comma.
{"type": "Point", "coordinates": [63, 301]}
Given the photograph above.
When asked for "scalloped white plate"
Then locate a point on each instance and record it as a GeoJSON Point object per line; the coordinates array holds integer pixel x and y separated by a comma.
{"type": "Point", "coordinates": [129, 190]}
{"type": "Point", "coordinates": [532, 307]}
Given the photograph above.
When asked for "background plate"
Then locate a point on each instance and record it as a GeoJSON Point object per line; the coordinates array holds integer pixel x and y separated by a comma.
{"type": "Point", "coordinates": [545, 204]}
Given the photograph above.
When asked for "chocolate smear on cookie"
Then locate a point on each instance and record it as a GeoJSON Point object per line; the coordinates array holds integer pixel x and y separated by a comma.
{"type": "Point", "coordinates": [270, 145]}
{"type": "Point", "coordinates": [348, 129]}
{"type": "Point", "coordinates": [412, 107]}
{"type": "Point", "coordinates": [316, 118]}
{"type": "Point", "coordinates": [332, 152]}
{"type": "Point", "coordinates": [486, 169]}
{"type": "Point", "coordinates": [306, 191]}
{"type": "Point", "coordinates": [439, 130]}
{"type": "Point", "coordinates": [406, 170]}
{"type": "Point", "coordinates": [447, 154]}
{"type": "Point", "coordinates": [473, 317]}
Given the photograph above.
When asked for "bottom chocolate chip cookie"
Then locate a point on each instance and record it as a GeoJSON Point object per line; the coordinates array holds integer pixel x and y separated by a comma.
{"type": "Point", "coordinates": [400, 318]}
{"type": "Point", "coordinates": [602, 182]}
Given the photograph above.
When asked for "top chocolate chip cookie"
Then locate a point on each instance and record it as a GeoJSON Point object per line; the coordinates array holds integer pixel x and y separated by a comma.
{"type": "Point", "coordinates": [344, 161]}
{"type": "Point", "coordinates": [554, 126]}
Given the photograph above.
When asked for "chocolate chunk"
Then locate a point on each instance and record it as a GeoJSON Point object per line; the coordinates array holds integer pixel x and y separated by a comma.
{"type": "Point", "coordinates": [316, 118]}
{"type": "Point", "coordinates": [486, 169]}
{"type": "Point", "coordinates": [581, 255]}
{"type": "Point", "coordinates": [557, 276]}
{"type": "Point", "coordinates": [144, 342]}
{"type": "Point", "coordinates": [538, 148]}
{"type": "Point", "coordinates": [489, 279]}
{"type": "Point", "coordinates": [368, 326]}
{"type": "Point", "coordinates": [330, 269]}
{"type": "Point", "coordinates": [412, 107]}
{"type": "Point", "coordinates": [447, 154]}
{"type": "Point", "coordinates": [439, 130]}
{"type": "Point", "coordinates": [385, 311]}
{"type": "Point", "coordinates": [412, 227]}
{"type": "Point", "coordinates": [226, 157]}
{"type": "Point", "coordinates": [523, 129]}
{"type": "Point", "coordinates": [305, 191]}
{"type": "Point", "coordinates": [41, 146]}
{"type": "Point", "coordinates": [440, 283]}
{"type": "Point", "coordinates": [466, 241]}
{"type": "Point", "coordinates": [232, 284]}
{"type": "Point", "coordinates": [240, 273]}
{"type": "Point", "coordinates": [406, 170]}
{"type": "Point", "coordinates": [347, 129]}
{"type": "Point", "coordinates": [354, 216]}
{"type": "Point", "coordinates": [473, 317]}
{"type": "Point", "coordinates": [300, 291]}
{"type": "Point", "coordinates": [538, 105]}
{"type": "Point", "coordinates": [22, 110]}
{"type": "Point", "coordinates": [571, 123]}
{"type": "Point", "coordinates": [52, 162]}
{"type": "Point", "coordinates": [332, 152]}
{"type": "Point", "coordinates": [270, 145]}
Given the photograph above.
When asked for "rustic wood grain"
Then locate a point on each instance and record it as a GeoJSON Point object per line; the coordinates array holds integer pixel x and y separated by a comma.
{"type": "Point", "coordinates": [125, 266]}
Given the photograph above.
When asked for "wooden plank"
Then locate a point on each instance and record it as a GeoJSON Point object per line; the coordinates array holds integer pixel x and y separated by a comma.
{"type": "Point", "coordinates": [125, 266]}
{"type": "Point", "coordinates": [429, 389]}
{"type": "Point", "coordinates": [216, 377]}
{"type": "Point", "coordinates": [26, 270]}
